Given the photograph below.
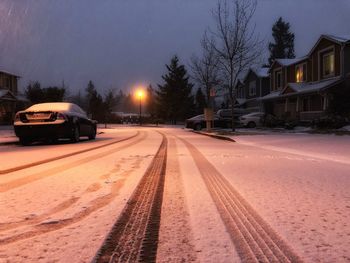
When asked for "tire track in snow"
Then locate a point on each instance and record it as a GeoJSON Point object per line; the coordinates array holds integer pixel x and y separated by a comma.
{"type": "Point", "coordinates": [175, 237]}
{"type": "Point", "coordinates": [134, 236]}
{"type": "Point", "coordinates": [44, 227]}
{"type": "Point", "coordinates": [30, 165]}
{"type": "Point", "coordinates": [254, 239]}
{"type": "Point", "coordinates": [38, 176]}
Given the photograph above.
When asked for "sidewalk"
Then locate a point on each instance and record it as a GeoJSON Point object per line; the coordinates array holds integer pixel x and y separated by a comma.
{"type": "Point", "coordinates": [7, 135]}
{"type": "Point", "coordinates": [275, 131]}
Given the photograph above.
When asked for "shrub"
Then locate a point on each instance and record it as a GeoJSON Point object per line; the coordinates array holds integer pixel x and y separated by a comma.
{"type": "Point", "coordinates": [330, 122]}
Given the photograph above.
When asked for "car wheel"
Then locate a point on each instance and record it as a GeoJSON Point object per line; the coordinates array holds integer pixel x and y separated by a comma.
{"type": "Point", "coordinates": [75, 134]}
{"type": "Point", "coordinates": [25, 141]}
{"type": "Point", "coordinates": [198, 127]}
{"type": "Point", "coordinates": [92, 135]}
{"type": "Point", "coordinates": [251, 124]}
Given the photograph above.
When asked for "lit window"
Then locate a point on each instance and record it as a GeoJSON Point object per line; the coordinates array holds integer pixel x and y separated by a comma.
{"type": "Point", "coordinates": [300, 73]}
{"type": "Point", "coordinates": [328, 64]}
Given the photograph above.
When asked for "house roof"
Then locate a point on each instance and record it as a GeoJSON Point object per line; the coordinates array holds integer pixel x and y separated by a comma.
{"type": "Point", "coordinates": [261, 72]}
{"type": "Point", "coordinates": [9, 73]}
{"type": "Point", "coordinates": [240, 101]}
{"type": "Point", "coordinates": [6, 95]}
{"type": "Point", "coordinates": [271, 95]}
{"type": "Point", "coordinates": [289, 61]}
{"type": "Point", "coordinates": [340, 39]}
{"type": "Point", "coordinates": [344, 39]}
{"type": "Point", "coordinates": [302, 88]}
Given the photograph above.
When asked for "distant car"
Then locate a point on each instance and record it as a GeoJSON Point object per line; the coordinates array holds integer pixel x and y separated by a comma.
{"type": "Point", "coordinates": [53, 120]}
{"type": "Point", "coordinates": [227, 113]}
{"type": "Point", "coordinates": [251, 120]}
{"type": "Point", "coordinates": [198, 122]}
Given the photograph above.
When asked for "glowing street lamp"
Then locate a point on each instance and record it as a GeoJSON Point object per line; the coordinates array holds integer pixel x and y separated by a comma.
{"type": "Point", "coordinates": [140, 94]}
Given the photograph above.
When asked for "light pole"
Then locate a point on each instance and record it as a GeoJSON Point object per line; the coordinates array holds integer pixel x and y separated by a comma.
{"type": "Point", "coordinates": [140, 95]}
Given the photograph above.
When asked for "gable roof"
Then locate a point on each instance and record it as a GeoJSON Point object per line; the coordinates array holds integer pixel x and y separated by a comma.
{"type": "Point", "coordinates": [7, 95]}
{"type": "Point", "coordinates": [306, 87]}
{"type": "Point", "coordinates": [262, 72]}
{"type": "Point", "coordinates": [341, 40]}
{"type": "Point", "coordinates": [302, 88]}
{"type": "Point", "coordinates": [9, 73]}
{"type": "Point", "coordinates": [288, 61]}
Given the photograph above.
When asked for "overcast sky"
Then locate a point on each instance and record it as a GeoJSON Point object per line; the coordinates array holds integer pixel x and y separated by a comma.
{"type": "Point", "coordinates": [121, 43]}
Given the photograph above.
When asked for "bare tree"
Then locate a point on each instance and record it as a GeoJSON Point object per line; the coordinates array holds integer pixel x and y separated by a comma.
{"type": "Point", "coordinates": [205, 70]}
{"type": "Point", "coordinates": [235, 42]}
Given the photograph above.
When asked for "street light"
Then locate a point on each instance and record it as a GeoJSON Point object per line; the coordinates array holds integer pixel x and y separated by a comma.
{"type": "Point", "coordinates": [140, 94]}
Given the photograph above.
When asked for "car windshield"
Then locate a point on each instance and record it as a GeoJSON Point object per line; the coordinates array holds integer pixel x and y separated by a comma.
{"type": "Point", "coordinates": [198, 117]}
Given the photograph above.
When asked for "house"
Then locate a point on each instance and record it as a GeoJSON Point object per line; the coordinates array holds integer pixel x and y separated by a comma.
{"type": "Point", "coordinates": [240, 94]}
{"type": "Point", "coordinates": [8, 96]}
{"type": "Point", "coordinates": [301, 88]}
{"type": "Point", "coordinates": [256, 84]}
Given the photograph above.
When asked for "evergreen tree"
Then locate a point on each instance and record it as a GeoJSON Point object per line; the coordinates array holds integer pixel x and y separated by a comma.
{"type": "Point", "coordinates": [109, 104]}
{"type": "Point", "coordinates": [174, 98]}
{"type": "Point", "coordinates": [283, 46]}
{"type": "Point", "coordinates": [54, 94]}
{"type": "Point", "coordinates": [151, 103]}
{"type": "Point", "coordinates": [201, 103]}
{"type": "Point", "coordinates": [79, 100]}
{"type": "Point", "coordinates": [94, 102]}
{"type": "Point", "coordinates": [34, 93]}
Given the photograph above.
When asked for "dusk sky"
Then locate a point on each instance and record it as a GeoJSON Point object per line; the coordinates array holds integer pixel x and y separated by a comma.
{"type": "Point", "coordinates": [121, 43]}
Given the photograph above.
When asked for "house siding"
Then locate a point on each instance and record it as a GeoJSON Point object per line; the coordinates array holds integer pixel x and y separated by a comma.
{"type": "Point", "coordinates": [277, 66]}
{"type": "Point", "coordinates": [265, 89]}
{"type": "Point", "coordinates": [9, 82]}
{"type": "Point", "coordinates": [347, 60]}
{"type": "Point", "coordinates": [317, 65]}
{"type": "Point", "coordinates": [308, 105]}
{"type": "Point", "coordinates": [251, 77]}
{"type": "Point", "coordinates": [8, 105]}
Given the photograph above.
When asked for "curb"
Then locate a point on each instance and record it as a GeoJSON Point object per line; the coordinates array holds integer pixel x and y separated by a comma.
{"type": "Point", "coordinates": [9, 143]}
{"type": "Point", "coordinates": [215, 136]}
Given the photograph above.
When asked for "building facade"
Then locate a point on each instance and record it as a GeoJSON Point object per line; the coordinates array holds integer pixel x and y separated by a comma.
{"type": "Point", "coordinates": [301, 88]}
{"type": "Point", "coordinates": [8, 96]}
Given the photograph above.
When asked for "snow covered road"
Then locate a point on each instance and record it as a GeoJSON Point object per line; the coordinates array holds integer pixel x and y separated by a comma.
{"type": "Point", "coordinates": [282, 198]}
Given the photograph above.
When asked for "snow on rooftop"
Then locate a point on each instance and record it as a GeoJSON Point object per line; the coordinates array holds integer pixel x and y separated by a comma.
{"type": "Point", "coordinates": [290, 61]}
{"type": "Point", "coordinates": [309, 87]}
{"type": "Point", "coordinates": [261, 72]}
{"type": "Point", "coordinates": [9, 73]}
{"type": "Point", "coordinates": [341, 39]}
{"type": "Point", "coordinates": [271, 95]}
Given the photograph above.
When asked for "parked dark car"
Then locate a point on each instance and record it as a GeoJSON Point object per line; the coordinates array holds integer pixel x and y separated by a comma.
{"type": "Point", "coordinates": [52, 121]}
{"type": "Point", "coordinates": [198, 122]}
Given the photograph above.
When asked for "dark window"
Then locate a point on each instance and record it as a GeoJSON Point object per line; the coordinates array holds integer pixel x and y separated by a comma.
{"type": "Point", "coordinates": [278, 79]}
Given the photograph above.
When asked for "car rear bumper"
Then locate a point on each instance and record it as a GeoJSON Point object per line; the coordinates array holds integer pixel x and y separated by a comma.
{"type": "Point", "coordinates": [41, 131]}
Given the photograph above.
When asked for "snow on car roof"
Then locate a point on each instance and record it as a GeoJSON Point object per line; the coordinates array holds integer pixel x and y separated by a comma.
{"type": "Point", "coordinates": [51, 106]}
